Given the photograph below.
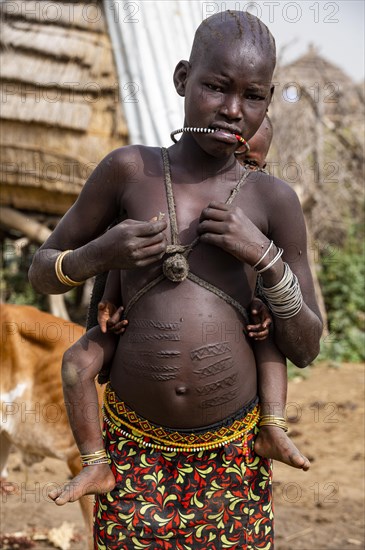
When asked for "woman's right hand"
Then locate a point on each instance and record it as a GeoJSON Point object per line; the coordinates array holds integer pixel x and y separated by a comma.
{"type": "Point", "coordinates": [132, 244]}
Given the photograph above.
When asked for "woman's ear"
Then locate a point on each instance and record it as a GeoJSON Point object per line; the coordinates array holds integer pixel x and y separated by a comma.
{"type": "Point", "coordinates": [180, 75]}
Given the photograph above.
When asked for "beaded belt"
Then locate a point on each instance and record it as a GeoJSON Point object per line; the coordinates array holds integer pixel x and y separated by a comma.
{"type": "Point", "coordinates": [128, 424]}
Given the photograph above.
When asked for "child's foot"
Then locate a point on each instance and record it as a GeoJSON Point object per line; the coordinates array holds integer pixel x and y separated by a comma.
{"type": "Point", "coordinates": [272, 442]}
{"type": "Point", "coordinates": [92, 480]}
{"type": "Point", "coordinates": [7, 487]}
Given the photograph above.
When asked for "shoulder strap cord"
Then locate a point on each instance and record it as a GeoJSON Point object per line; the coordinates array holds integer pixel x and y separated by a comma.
{"type": "Point", "coordinates": [186, 249]}
{"type": "Point", "coordinates": [221, 294]}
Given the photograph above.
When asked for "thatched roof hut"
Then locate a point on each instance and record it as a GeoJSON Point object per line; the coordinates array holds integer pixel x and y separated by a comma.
{"type": "Point", "coordinates": [323, 81]}
{"type": "Point", "coordinates": [60, 110]}
{"type": "Point", "coordinates": [317, 114]}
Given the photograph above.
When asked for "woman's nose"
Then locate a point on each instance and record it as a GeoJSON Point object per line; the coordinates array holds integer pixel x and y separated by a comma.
{"type": "Point", "coordinates": [231, 106]}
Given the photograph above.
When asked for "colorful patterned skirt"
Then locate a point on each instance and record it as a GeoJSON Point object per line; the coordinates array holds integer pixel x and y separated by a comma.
{"type": "Point", "coordinates": [187, 490]}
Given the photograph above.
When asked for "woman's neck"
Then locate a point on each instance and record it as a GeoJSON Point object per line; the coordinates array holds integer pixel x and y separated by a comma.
{"type": "Point", "coordinates": [188, 155]}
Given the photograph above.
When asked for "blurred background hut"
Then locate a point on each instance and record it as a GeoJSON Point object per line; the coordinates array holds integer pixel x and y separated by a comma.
{"type": "Point", "coordinates": [320, 148]}
{"type": "Point", "coordinates": [60, 114]}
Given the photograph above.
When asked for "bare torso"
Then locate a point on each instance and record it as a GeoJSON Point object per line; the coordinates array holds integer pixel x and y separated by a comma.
{"type": "Point", "coordinates": [184, 360]}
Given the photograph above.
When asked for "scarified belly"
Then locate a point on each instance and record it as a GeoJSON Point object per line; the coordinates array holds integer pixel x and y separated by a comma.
{"type": "Point", "coordinates": [184, 360]}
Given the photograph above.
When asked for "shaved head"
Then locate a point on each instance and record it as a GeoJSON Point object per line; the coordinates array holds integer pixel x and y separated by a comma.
{"type": "Point", "coordinates": [226, 27]}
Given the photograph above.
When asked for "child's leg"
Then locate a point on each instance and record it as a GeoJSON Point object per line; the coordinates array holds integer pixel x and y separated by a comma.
{"type": "Point", "coordinates": [81, 363]}
{"type": "Point", "coordinates": [272, 441]}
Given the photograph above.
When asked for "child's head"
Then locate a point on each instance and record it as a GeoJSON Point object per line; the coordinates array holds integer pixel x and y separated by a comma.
{"type": "Point", "coordinates": [227, 80]}
{"type": "Point", "coordinates": [259, 146]}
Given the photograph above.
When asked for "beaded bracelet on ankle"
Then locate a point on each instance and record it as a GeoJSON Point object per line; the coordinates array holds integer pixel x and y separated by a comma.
{"type": "Point", "coordinates": [93, 459]}
{"type": "Point", "coordinates": [271, 420]}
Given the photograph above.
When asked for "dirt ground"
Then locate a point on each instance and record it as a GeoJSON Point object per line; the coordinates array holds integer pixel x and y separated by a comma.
{"type": "Point", "coordinates": [315, 510]}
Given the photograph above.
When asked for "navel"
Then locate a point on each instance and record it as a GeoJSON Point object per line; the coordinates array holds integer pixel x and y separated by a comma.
{"type": "Point", "coordinates": [181, 390]}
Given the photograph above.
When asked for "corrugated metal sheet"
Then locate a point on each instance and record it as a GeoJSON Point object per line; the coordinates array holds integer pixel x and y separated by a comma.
{"type": "Point", "coordinates": [149, 38]}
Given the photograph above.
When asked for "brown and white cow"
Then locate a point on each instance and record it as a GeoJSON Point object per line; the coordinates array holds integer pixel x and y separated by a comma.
{"type": "Point", "coordinates": [33, 415]}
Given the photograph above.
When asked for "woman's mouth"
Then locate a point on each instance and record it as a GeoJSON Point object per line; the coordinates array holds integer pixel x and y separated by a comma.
{"type": "Point", "coordinates": [228, 136]}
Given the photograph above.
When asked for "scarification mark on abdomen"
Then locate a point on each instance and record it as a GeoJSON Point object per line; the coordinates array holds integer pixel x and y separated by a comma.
{"type": "Point", "coordinates": [136, 338]}
{"type": "Point", "coordinates": [218, 385]}
{"type": "Point", "coordinates": [214, 368]}
{"type": "Point", "coordinates": [210, 350]}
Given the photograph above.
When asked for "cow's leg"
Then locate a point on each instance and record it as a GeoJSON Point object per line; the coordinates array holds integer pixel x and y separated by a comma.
{"type": "Point", "coordinates": [5, 445]}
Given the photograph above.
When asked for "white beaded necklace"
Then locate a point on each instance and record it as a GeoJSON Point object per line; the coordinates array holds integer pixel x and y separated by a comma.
{"type": "Point", "coordinates": [191, 129]}
{"type": "Point", "coordinates": [206, 131]}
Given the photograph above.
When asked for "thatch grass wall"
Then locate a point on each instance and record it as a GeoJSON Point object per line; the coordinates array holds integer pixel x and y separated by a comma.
{"type": "Point", "coordinates": [60, 108]}
{"type": "Point", "coordinates": [318, 142]}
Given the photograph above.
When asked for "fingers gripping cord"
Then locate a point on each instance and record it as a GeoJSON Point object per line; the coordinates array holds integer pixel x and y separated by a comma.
{"type": "Point", "coordinates": [176, 267]}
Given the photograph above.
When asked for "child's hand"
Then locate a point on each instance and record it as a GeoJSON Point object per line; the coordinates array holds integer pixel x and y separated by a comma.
{"type": "Point", "coordinates": [109, 318]}
{"type": "Point", "coordinates": [260, 316]}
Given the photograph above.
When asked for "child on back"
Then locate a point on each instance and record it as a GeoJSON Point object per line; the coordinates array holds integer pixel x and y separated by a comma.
{"type": "Point", "coordinates": [255, 157]}
{"type": "Point", "coordinates": [181, 414]}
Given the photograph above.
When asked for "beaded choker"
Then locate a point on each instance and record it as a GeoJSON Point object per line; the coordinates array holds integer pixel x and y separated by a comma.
{"type": "Point", "coordinates": [192, 129]}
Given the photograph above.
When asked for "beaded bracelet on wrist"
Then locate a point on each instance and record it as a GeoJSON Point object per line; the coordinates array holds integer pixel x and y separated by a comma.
{"type": "Point", "coordinates": [263, 256]}
{"type": "Point", "coordinates": [285, 298]}
{"type": "Point", "coordinates": [273, 261]}
{"type": "Point", "coordinates": [64, 279]}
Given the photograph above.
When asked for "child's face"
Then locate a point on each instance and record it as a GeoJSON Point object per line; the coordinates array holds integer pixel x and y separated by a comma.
{"type": "Point", "coordinates": [228, 88]}
{"type": "Point", "coordinates": [259, 147]}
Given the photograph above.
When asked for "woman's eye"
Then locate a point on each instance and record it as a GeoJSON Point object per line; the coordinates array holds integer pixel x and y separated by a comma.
{"type": "Point", "coordinates": [214, 87]}
{"type": "Point", "coordinates": [255, 97]}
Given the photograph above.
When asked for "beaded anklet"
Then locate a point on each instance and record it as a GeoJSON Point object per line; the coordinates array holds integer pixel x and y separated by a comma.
{"type": "Point", "coordinates": [271, 420]}
{"type": "Point", "coordinates": [93, 459]}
